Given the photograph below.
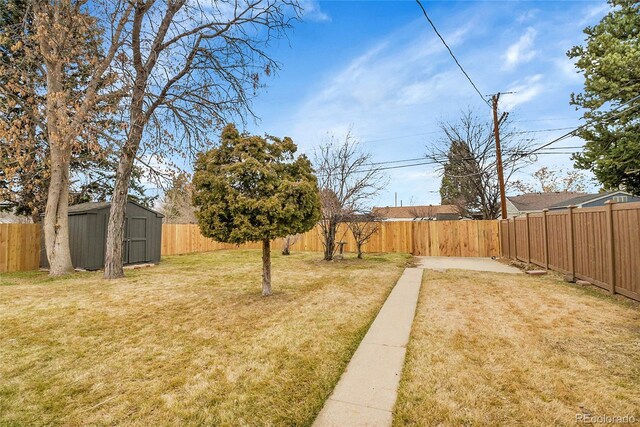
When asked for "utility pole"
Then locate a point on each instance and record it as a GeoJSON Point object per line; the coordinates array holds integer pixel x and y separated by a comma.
{"type": "Point", "coordinates": [496, 132]}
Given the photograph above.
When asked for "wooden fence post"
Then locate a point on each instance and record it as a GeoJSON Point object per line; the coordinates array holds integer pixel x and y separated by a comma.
{"type": "Point", "coordinates": [414, 251]}
{"type": "Point", "coordinates": [570, 248]}
{"type": "Point", "coordinates": [526, 217]}
{"type": "Point", "coordinates": [506, 251]}
{"type": "Point", "coordinates": [515, 238]}
{"type": "Point", "coordinates": [545, 239]}
{"type": "Point", "coordinates": [508, 238]}
{"type": "Point", "coordinates": [612, 255]}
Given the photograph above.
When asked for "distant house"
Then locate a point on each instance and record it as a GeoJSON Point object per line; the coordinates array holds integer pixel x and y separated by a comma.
{"type": "Point", "coordinates": [535, 202]}
{"type": "Point", "coordinates": [597, 199]}
{"type": "Point", "coordinates": [417, 213]}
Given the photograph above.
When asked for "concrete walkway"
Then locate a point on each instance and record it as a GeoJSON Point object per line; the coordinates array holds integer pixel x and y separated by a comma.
{"type": "Point", "coordinates": [368, 388]}
{"type": "Point", "coordinates": [461, 263]}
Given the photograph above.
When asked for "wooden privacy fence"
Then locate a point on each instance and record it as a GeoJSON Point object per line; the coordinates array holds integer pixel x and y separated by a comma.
{"type": "Point", "coordinates": [19, 247]}
{"type": "Point", "coordinates": [20, 243]}
{"type": "Point", "coordinates": [600, 245]}
{"type": "Point", "coordinates": [427, 238]}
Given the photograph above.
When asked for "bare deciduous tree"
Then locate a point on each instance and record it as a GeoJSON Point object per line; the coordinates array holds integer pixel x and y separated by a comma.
{"type": "Point", "coordinates": [347, 179]}
{"type": "Point", "coordinates": [548, 180]}
{"type": "Point", "coordinates": [466, 154]}
{"type": "Point", "coordinates": [288, 242]}
{"type": "Point", "coordinates": [177, 205]}
{"type": "Point", "coordinates": [363, 227]}
{"type": "Point", "coordinates": [192, 65]}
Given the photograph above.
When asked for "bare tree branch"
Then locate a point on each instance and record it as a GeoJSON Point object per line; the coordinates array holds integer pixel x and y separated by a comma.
{"type": "Point", "coordinates": [347, 179]}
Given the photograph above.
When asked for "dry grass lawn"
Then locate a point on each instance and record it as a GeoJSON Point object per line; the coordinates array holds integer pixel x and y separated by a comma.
{"type": "Point", "coordinates": [496, 349]}
{"type": "Point", "coordinates": [188, 342]}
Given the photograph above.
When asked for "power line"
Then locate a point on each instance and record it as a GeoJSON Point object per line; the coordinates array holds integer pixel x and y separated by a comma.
{"type": "Point", "coordinates": [617, 112]}
{"type": "Point", "coordinates": [536, 151]}
{"type": "Point", "coordinates": [415, 159]}
{"type": "Point", "coordinates": [523, 132]}
{"type": "Point", "coordinates": [431, 162]}
{"type": "Point", "coordinates": [428, 162]}
{"type": "Point", "coordinates": [550, 119]}
{"type": "Point", "coordinates": [566, 148]}
{"type": "Point", "coordinates": [424, 11]}
{"type": "Point", "coordinates": [541, 130]}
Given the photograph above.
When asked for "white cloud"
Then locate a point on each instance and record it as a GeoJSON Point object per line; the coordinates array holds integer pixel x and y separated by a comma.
{"type": "Point", "coordinates": [594, 12]}
{"type": "Point", "coordinates": [568, 69]}
{"type": "Point", "coordinates": [380, 88]}
{"type": "Point", "coordinates": [521, 51]}
{"type": "Point", "coordinates": [524, 91]}
{"type": "Point", "coordinates": [527, 16]}
{"type": "Point", "coordinates": [311, 12]}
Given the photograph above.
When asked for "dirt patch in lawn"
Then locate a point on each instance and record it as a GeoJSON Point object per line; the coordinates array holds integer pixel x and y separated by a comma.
{"type": "Point", "coordinates": [188, 342]}
{"type": "Point", "coordinates": [496, 349]}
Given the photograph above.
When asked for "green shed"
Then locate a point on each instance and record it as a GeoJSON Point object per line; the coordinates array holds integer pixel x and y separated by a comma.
{"type": "Point", "coordinates": [88, 235]}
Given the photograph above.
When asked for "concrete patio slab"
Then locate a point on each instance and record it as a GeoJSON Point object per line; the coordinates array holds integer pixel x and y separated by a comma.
{"type": "Point", "coordinates": [368, 388]}
{"type": "Point", "coordinates": [461, 263]}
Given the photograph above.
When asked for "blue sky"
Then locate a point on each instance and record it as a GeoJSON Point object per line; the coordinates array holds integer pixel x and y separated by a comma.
{"type": "Point", "coordinates": [378, 68]}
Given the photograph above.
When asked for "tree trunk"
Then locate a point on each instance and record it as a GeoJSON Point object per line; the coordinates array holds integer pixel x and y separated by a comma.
{"type": "Point", "coordinates": [286, 245]}
{"type": "Point", "coordinates": [56, 219]}
{"type": "Point", "coordinates": [113, 267]}
{"type": "Point", "coordinates": [115, 230]}
{"type": "Point", "coordinates": [266, 268]}
{"type": "Point", "coordinates": [330, 240]}
{"type": "Point", "coordinates": [359, 248]}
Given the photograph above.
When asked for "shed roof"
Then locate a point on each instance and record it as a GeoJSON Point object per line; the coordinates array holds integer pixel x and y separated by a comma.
{"type": "Point", "coordinates": [88, 206]}
{"type": "Point", "coordinates": [539, 201]}
{"type": "Point", "coordinates": [414, 211]}
{"type": "Point", "coordinates": [95, 206]}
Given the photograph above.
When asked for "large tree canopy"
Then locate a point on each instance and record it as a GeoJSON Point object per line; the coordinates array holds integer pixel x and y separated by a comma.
{"type": "Point", "coordinates": [252, 188]}
{"type": "Point", "coordinates": [610, 62]}
{"type": "Point", "coordinates": [24, 144]}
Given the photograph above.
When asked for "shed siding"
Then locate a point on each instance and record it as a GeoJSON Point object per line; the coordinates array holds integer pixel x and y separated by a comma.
{"type": "Point", "coordinates": [88, 232]}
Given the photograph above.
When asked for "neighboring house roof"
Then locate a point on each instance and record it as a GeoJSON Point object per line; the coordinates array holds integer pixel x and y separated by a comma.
{"type": "Point", "coordinates": [586, 198]}
{"type": "Point", "coordinates": [539, 201]}
{"type": "Point", "coordinates": [9, 218]}
{"type": "Point", "coordinates": [7, 215]}
{"type": "Point", "coordinates": [410, 212]}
